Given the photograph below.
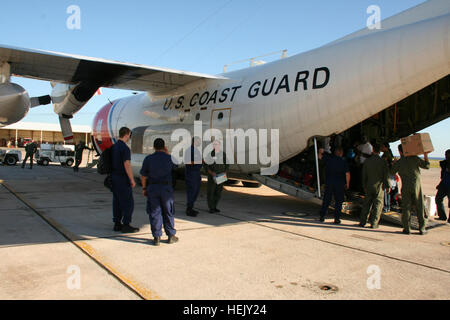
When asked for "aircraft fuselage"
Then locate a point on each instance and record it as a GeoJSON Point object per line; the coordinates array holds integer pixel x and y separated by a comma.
{"type": "Point", "coordinates": [317, 93]}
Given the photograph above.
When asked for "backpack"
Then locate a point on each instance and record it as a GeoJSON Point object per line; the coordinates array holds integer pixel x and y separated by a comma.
{"type": "Point", "coordinates": [446, 179]}
{"type": "Point", "coordinates": [104, 165]}
{"type": "Point", "coordinates": [108, 182]}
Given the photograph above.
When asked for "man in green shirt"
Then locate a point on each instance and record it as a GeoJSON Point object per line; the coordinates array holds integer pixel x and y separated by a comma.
{"type": "Point", "coordinates": [215, 164]}
{"type": "Point", "coordinates": [374, 181]}
{"type": "Point", "coordinates": [79, 148]}
{"type": "Point", "coordinates": [30, 150]}
{"type": "Point", "coordinates": [409, 170]}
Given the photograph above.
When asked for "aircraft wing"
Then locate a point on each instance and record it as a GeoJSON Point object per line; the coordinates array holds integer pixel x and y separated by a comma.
{"type": "Point", "coordinates": [68, 68]}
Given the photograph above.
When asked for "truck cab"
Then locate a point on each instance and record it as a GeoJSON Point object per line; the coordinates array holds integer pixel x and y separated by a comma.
{"type": "Point", "coordinates": [10, 157]}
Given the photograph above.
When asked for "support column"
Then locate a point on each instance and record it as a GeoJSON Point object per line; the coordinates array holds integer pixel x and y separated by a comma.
{"type": "Point", "coordinates": [317, 167]}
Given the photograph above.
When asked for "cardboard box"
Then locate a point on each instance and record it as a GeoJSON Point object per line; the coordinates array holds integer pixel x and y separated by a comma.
{"type": "Point", "coordinates": [417, 144]}
{"type": "Point", "coordinates": [430, 206]}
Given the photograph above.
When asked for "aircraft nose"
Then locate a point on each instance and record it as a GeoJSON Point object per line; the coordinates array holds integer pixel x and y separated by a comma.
{"type": "Point", "coordinates": [100, 128]}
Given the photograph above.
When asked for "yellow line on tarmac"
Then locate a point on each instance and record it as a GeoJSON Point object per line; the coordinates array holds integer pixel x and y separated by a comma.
{"type": "Point", "coordinates": [89, 251]}
{"type": "Point", "coordinates": [143, 292]}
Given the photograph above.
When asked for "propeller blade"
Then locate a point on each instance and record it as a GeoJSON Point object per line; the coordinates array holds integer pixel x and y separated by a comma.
{"type": "Point", "coordinates": [66, 129]}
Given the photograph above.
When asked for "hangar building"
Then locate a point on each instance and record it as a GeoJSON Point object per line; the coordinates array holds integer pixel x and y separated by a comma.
{"type": "Point", "coordinates": [21, 132]}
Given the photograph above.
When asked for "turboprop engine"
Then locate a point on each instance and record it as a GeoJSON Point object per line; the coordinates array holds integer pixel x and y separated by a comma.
{"type": "Point", "coordinates": [67, 100]}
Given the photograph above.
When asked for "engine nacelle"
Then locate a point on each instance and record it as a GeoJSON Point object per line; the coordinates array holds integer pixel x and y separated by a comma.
{"type": "Point", "coordinates": [14, 103]}
{"type": "Point", "coordinates": [68, 99]}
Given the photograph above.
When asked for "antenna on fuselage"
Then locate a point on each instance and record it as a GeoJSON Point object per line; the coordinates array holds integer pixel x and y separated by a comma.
{"type": "Point", "coordinates": [254, 62]}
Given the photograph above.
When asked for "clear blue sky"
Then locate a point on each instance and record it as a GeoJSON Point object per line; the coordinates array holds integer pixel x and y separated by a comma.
{"type": "Point", "coordinates": [196, 35]}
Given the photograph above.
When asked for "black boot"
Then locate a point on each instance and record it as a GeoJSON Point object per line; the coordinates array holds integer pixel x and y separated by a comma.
{"type": "Point", "coordinates": [126, 228]}
{"type": "Point", "coordinates": [190, 212]}
{"type": "Point", "coordinates": [117, 226]}
{"type": "Point", "coordinates": [173, 239]}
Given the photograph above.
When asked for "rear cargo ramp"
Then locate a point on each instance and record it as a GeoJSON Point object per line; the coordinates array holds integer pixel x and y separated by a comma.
{"type": "Point", "coordinates": [288, 187]}
{"type": "Point", "coordinates": [350, 208]}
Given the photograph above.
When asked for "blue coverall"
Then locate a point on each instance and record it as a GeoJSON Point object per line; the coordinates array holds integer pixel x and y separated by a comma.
{"type": "Point", "coordinates": [336, 169]}
{"type": "Point", "coordinates": [123, 202]}
{"type": "Point", "coordinates": [158, 167]}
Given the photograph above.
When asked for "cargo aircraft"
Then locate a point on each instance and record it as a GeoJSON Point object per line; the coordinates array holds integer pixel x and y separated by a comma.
{"type": "Point", "coordinates": [388, 83]}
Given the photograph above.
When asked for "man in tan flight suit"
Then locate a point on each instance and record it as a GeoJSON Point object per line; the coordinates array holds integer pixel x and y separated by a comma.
{"type": "Point", "coordinates": [374, 181]}
{"type": "Point", "coordinates": [408, 169]}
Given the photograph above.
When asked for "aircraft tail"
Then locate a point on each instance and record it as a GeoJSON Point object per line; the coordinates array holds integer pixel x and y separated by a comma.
{"type": "Point", "coordinates": [423, 11]}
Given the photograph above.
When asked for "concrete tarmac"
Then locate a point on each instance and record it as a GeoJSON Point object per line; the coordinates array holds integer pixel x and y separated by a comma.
{"type": "Point", "coordinates": [54, 221]}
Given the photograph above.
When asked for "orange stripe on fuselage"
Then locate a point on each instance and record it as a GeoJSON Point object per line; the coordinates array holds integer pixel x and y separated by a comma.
{"type": "Point", "coordinates": [100, 129]}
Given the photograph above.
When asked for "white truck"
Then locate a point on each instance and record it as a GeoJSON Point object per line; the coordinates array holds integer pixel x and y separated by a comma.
{"type": "Point", "coordinates": [10, 157]}
{"type": "Point", "coordinates": [55, 153]}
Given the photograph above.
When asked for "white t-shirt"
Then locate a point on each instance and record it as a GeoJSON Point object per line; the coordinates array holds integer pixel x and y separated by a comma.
{"type": "Point", "coordinates": [365, 148]}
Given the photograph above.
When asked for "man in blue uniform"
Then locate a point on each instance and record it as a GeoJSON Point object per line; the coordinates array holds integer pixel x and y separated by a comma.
{"type": "Point", "coordinates": [337, 178]}
{"type": "Point", "coordinates": [156, 178]}
{"type": "Point", "coordinates": [443, 189]}
{"type": "Point", "coordinates": [193, 162]}
{"type": "Point", "coordinates": [122, 184]}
